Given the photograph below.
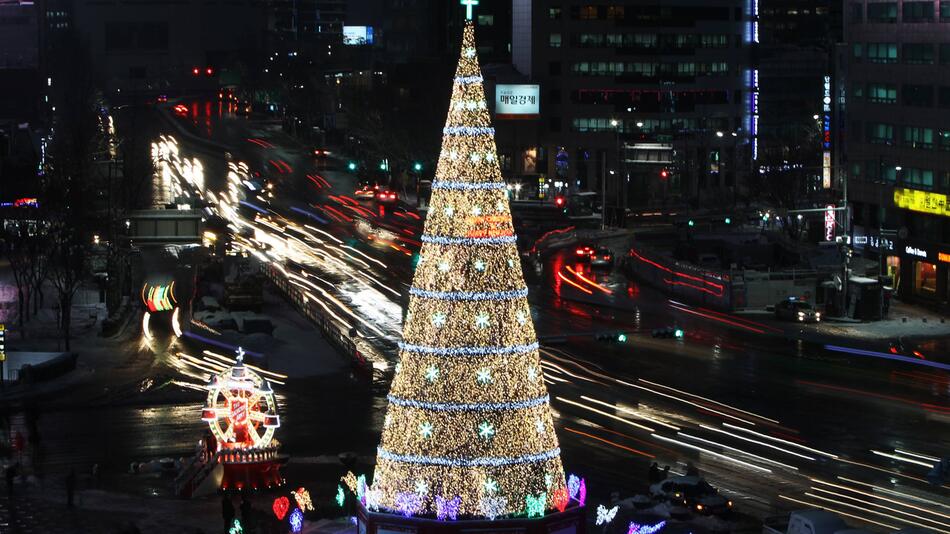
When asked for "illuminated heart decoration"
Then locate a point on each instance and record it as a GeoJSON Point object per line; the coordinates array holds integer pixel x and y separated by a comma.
{"type": "Point", "coordinates": [281, 505]}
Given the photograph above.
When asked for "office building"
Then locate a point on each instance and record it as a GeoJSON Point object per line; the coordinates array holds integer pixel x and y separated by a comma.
{"type": "Point", "coordinates": [895, 76]}
{"type": "Point", "coordinates": [659, 98]}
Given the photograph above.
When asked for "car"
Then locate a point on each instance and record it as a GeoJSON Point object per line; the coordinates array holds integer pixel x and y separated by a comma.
{"type": "Point", "coordinates": [694, 493]}
{"type": "Point", "coordinates": [793, 309]}
{"type": "Point", "coordinates": [583, 252]}
{"type": "Point", "coordinates": [161, 99]}
{"type": "Point", "coordinates": [386, 196]}
{"type": "Point", "coordinates": [319, 152]}
{"type": "Point", "coordinates": [366, 191]}
{"type": "Point", "coordinates": [602, 257]}
{"type": "Point", "coordinates": [181, 109]}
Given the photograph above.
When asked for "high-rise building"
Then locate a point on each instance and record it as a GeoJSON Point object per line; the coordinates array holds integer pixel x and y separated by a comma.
{"type": "Point", "coordinates": [669, 87]}
{"type": "Point", "coordinates": [895, 104]}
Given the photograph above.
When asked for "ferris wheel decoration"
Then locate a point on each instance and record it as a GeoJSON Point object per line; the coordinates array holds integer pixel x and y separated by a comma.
{"type": "Point", "coordinates": [241, 410]}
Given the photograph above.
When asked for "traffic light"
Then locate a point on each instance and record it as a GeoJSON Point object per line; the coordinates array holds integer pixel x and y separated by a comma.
{"type": "Point", "coordinates": [621, 337]}
{"type": "Point", "coordinates": [664, 174]}
{"type": "Point", "coordinates": [691, 223]}
{"type": "Point", "coordinates": [351, 166]}
{"type": "Point", "coordinates": [560, 201]}
{"type": "Point", "coordinates": [382, 165]}
{"type": "Point", "coordinates": [417, 166]}
{"type": "Point", "coordinates": [678, 333]}
{"type": "Point", "coordinates": [728, 220]}
{"type": "Point", "coordinates": [195, 71]}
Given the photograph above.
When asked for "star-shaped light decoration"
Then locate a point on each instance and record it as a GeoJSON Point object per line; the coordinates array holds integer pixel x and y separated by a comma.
{"type": "Point", "coordinates": [425, 429]}
{"type": "Point", "coordinates": [532, 373]}
{"type": "Point", "coordinates": [521, 317]}
{"type": "Point", "coordinates": [422, 487]}
{"type": "Point", "coordinates": [491, 486]}
{"type": "Point", "coordinates": [539, 425]}
{"type": "Point", "coordinates": [449, 210]}
{"type": "Point", "coordinates": [444, 266]}
{"type": "Point", "coordinates": [486, 430]}
{"type": "Point", "coordinates": [476, 157]}
{"type": "Point", "coordinates": [492, 507]}
{"type": "Point", "coordinates": [479, 265]}
{"type": "Point", "coordinates": [432, 373]}
{"type": "Point", "coordinates": [438, 319]}
{"type": "Point", "coordinates": [469, 52]}
{"type": "Point", "coordinates": [476, 211]}
{"type": "Point", "coordinates": [548, 480]}
{"type": "Point", "coordinates": [481, 320]}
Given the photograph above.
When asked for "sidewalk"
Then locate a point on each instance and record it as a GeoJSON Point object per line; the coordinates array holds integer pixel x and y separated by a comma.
{"type": "Point", "coordinates": [903, 320]}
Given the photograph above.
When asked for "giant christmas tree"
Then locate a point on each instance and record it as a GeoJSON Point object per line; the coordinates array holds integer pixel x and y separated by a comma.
{"type": "Point", "coordinates": [468, 430]}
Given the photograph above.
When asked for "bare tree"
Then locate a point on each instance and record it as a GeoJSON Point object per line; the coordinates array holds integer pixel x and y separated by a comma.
{"type": "Point", "coordinates": [68, 267]}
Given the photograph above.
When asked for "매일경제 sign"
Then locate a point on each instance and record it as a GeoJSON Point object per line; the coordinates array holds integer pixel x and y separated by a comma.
{"type": "Point", "coordinates": [521, 101]}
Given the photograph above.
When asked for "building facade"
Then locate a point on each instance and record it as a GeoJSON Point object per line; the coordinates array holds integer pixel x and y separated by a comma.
{"type": "Point", "coordinates": [895, 76]}
{"type": "Point", "coordinates": [654, 102]}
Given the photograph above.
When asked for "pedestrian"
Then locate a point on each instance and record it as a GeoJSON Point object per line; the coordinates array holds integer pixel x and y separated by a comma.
{"type": "Point", "coordinates": [70, 487]}
{"type": "Point", "coordinates": [227, 511]}
{"type": "Point", "coordinates": [654, 475]}
{"type": "Point", "coordinates": [665, 474]}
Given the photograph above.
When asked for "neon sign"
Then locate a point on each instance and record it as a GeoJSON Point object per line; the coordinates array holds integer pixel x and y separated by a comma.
{"type": "Point", "coordinates": [826, 135]}
{"type": "Point", "coordinates": [830, 222]}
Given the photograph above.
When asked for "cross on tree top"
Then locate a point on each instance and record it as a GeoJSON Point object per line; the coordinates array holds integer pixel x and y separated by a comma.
{"type": "Point", "coordinates": [469, 5]}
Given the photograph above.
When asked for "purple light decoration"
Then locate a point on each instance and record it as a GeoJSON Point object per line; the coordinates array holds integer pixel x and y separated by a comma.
{"type": "Point", "coordinates": [895, 357]}
{"type": "Point", "coordinates": [582, 493]}
{"type": "Point", "coordinates": [636, 528]}
{"type": "Point", "coordinates": [296, 520]}
{"type": "Point", "coordinates": [447, 508]}
{"type": "Point", "coordinates": [573, 486]}
{"type": "Point", "coordinates": [408, 503]}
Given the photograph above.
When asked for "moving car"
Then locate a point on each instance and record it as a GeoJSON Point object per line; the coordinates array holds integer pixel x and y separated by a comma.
{"type": "Point", "coordinates": [602, 257]}
{"type": "Point", "coordinates": [694, 493]}
{"type": "Point", "coordinates": [319, 152]}
{"type": "Point", "coordinates": [792, 309]}
{"type": "Point", "coordinates": [385, 196]}
{"type": "Point", "coordinates": [583, 252]}
{"type": "Point", "coordinates": [366, 191]}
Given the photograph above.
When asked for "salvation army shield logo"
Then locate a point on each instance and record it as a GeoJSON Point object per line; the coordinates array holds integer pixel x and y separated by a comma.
{"type": "Point", "coordinates": [239, 411]}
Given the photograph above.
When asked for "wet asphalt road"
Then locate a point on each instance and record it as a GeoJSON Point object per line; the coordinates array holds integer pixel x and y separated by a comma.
{"type": "Point", "coordinates": [843, 406]}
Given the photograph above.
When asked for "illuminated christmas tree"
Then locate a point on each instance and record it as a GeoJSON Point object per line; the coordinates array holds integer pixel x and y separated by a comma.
{"type": "Point", "coordinates": [468, 430]}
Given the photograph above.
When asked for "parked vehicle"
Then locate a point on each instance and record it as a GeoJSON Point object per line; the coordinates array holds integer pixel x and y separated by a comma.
{"type": "Point", "coordinates": [792, 309]}
{"type": "Point", "coordinates": [810, 521]}
{"type": "Point", "coordinates": [602, 257]}
{"type": "Point", "coordinates": [694, 493]}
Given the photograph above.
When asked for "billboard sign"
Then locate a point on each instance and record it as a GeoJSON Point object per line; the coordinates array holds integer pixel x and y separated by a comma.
{"type": "Point", "coordinates": [521, 101]}
{"type": "Point", "coordinates": [357, 35]}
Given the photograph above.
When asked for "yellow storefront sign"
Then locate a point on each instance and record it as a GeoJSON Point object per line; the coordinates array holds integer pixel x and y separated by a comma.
{"type": "Point", "coordinates": [922, 201]}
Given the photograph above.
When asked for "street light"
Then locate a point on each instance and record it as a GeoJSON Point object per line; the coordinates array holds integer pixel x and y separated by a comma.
{"type": "Point", "coordinates": [719, 134]}
{"type": "Point", "coordinates": [639, 124]}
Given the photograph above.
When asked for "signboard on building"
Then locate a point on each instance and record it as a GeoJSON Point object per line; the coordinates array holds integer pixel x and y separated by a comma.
{"type": "Point", "coordinates": [830, 222]}
{"type": "Point", "coordinates": [357, 35]}
{"type": "Point", "coordinates": [826, 134]}
{"type": "Point", "coordinates": [517, 101]}
{"type": "Point", "coordinates": [922, 201]}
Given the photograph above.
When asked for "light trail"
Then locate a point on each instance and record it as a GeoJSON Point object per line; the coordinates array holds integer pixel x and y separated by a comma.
{"type": "Point", "coordinates": [724, 405]}
{"type": "Point", "coordinates": [605, 414]}
{"type": "Point", "coordinates": [839, 512]}
{"type": "Point", "coordinates": [896, 493]}
{"type": "Point", "coordinates": [780, 440]}
{"type": "Point", "coordinates": [697, 405]}
{"type": "Point", "coordinates": [881, 469]}
{"type": "Point", "coordinates": [757, 442]}
{"type": "Point", "coordinates": [631, 412]}
{"type": "Point", "coordinates": [573, 283]}
{"type": "Point", "coordinates": [887, 499]}
{"type": "Point", "coordinates": [916, 455]}
{"type": "Point", "coordinates": [593, 284]}
{"type": "Point", "coordinates": [607, 441]}
{"type": "Point", "coordinates": [875, 512]}
{"type": "Point", "coordinates": [735, 449]}
{"type": "Point", "coordinates": [901, 458]}
{"type": "Point", "coordinates": [712, 453]}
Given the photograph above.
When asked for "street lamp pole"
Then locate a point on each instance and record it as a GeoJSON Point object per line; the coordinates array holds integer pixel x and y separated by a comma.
{"type": "Point", "coordinates": [603, 184]}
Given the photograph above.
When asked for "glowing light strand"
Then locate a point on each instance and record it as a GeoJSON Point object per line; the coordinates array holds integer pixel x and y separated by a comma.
{"type": "Point", "coordinates": [469, 295]}
{"type": "Point", "coordinates": [468, 351]}
{"type": "Point", "coordinates": [492, 240]}
{"type": "Point", "coordinates": [497, 461]}
{"type": "Point", "coordinates": [469, 406]}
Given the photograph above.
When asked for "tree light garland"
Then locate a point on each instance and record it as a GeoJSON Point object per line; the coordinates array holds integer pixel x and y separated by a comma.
{"type": "Point", "coordinates": [468, 411]}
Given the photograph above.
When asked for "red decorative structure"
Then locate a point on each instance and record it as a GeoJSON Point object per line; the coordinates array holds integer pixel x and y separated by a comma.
{"type": "Point", "coordinates": [239, 452]}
